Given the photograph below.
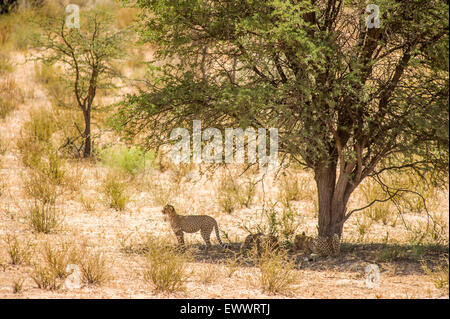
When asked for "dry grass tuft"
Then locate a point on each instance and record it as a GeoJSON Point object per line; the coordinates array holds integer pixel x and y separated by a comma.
{"type": "Point", "coordinates": [93, 267]}
{"type": "Point", "coordinates": [18, 286]}
{"type": "Point", "coordinates": [277, 273]}
{"type": "Point", "coordinates": [115, 189]}
{"type": "Point", "coordinates": [439, 275]}
{"type": "Point", "coordinates": [165, 267]}
{"type": "Point", "coordinates": [19, 251]}
{"type": "Point", "coordinates": [44, 218]}
{"type": "Point", "coordinates": [10, 96]}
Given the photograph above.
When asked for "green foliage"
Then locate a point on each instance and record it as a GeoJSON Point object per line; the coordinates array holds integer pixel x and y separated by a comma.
{"type": "Point", "coordinates": [131, 160]}
{"type": "Point", "coordinates": [87, 54]}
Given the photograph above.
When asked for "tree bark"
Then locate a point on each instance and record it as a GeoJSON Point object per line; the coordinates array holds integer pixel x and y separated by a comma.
{"type": "Point", "coordinates": [87, 134]}
{"type": "Point", "coordinates": [332, 201]}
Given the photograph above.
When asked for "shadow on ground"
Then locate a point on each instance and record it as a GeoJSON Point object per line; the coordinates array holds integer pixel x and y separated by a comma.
{"type": "Point", "coordinates": [398, 259]}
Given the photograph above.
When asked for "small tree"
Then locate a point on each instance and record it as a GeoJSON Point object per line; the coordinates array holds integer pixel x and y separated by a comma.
{"type": "Point", "coordinates": [87, 54]}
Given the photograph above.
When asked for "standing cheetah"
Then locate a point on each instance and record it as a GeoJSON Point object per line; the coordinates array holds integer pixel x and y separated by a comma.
{"type": "Point", "coordinates": [190, 224]}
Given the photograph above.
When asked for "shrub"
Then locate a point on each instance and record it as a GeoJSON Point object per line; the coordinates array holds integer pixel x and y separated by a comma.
{"type": "Point", "coordinates": [58, 257]}
{"type": "Point", "coordinates": [44, 218]}
{"type": "Point", "coordinates": [46, 278]}
{"type": "Point", "coordinates": [131, 160]}
{"type": "Point", "coordinates": [41, 125]}
{"type": "Point", "coordinates": [227, 194]}
{"type": "Point", "coordinates": [289, 190]}
{"type": "Point", "coordinates": [439, 275]}
{"type": "Point", "coordinates": [10, 96]}
{"type": "Point", "coordinates": [165, 268]}
{"type": "Point", "coordinates": [40, 187]}
{"type": "Point", "coordinates": [277, 274]}
{"type": "Point", "coordinates": [18, 286]}
{"type": "Point", "coordinates": [115, 189]}
{"type": "Point", "coordinates": [6, 65]}
{"type": "Point", "coordinates": [19, 252]}
{"type": "Point", "coordinates": [30, 151]}
{"type": "Point", "coordinates": [93, 267]}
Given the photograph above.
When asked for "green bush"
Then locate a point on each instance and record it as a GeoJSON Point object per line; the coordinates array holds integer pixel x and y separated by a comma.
{"type": "Point", "coordinates": [131, 160]}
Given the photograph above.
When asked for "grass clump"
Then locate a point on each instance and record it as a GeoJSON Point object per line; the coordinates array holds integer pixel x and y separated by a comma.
{"type": "Point", "coordinates": [18, 286]}
{"type": "Point", "coordinates": [45, 278]}
{"type": "Point", "coordinates": [165, 268]}
{"type": "Point", "coordinates": [93, 268]}
{"type": "Point", "coordinates": [41, 125]}
{"type": "Point", "coordinates": [51, 272]}
{"type": "Point", "coordinates": [228, 192]}
{"type": "Point", "coordinates": [58, 257]}
{"type": "Point", "coordinates": [439, 275]}
{"type": "Point", "coordinates": [232, 194]}
{"type": "Point", "coordinates": [49, 76]}
{"type": "Point", "coordinates": [44, 218]}
{"type": "Point", "coordinates": [19, 252]}
{"type": "Point", "coordinates": [6, 65]}
{"type": "Point", "coordinates": [115, 190]}
{"type": "Point", "coordinates": [277, 273]}
{"type": "Point", "coordinates": [10, 96]}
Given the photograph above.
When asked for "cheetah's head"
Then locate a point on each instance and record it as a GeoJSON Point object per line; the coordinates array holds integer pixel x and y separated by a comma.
{"type": "Point", "coordinates": [168, 210]}
{"type": "Point", "coordinates": [299, 241]}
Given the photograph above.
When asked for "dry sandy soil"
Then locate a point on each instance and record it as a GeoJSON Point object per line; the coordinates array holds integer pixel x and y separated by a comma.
{"type": "Point", "coordinates": [109, 231]}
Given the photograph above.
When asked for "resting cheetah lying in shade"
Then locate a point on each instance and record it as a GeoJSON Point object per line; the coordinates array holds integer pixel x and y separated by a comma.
{"type": "Point", "coordinates": [191, 224]}
{"type": "Point", "coordinates": [324, 246]}
{"type": "Point", "coordinates": [259, 240]}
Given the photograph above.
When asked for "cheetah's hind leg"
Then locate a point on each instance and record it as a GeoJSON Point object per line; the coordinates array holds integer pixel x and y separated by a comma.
{"type": "Point", "coordinates": [206, 237]}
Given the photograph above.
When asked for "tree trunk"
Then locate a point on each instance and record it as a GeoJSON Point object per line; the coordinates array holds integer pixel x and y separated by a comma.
{"type": "Point", "coordinates": [87, 134]}
{"type": "Point", "coordinates": [332, 201]}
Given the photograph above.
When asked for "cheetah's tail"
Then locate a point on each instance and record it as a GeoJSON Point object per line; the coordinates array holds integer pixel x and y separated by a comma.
{"type": "Point", "coordinates": [216, 228]}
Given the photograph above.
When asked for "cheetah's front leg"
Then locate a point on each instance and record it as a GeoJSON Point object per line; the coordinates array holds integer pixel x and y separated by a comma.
{"type": "Point", "coordinates": [180, 238]}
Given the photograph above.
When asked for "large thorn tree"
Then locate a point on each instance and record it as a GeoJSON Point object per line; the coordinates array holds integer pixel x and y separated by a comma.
{"type": "Point", "coordinates": [349, 100]}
